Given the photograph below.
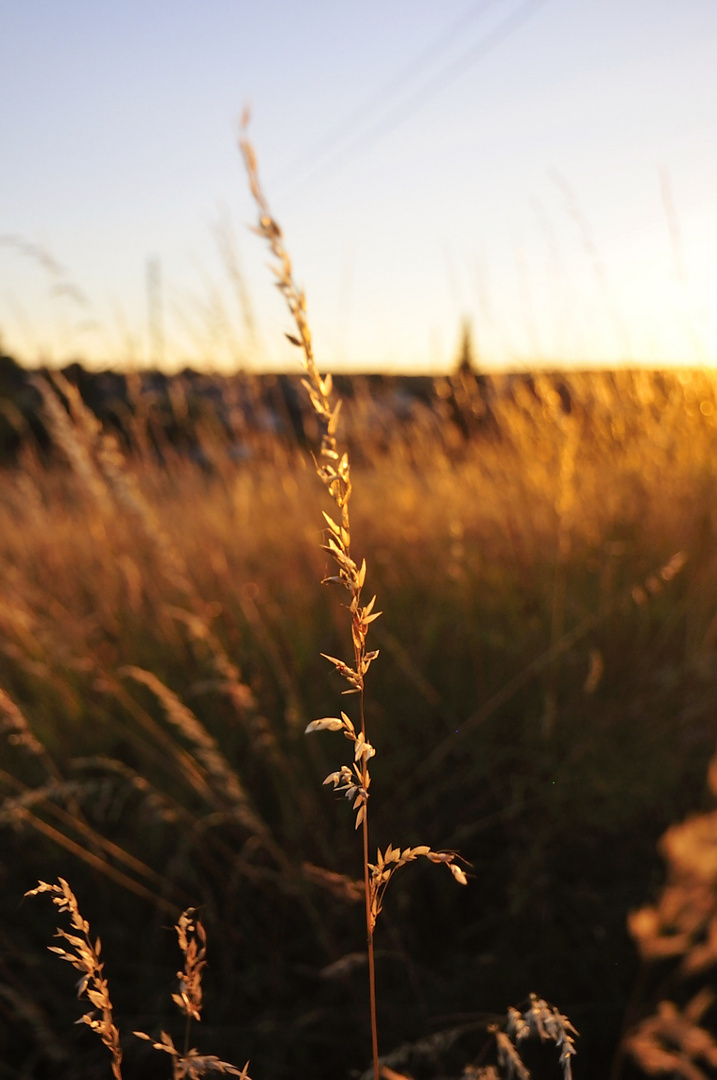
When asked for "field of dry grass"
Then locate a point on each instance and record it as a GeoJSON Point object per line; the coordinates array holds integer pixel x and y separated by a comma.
{"type": "Point", "coordinates": [544, 703]}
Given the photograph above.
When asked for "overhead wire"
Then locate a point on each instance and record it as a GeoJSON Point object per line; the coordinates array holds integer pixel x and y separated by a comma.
{"type": "Point", "coordinates": [379, 98]}
{"type": "Point", "coordinates": [429, 89]}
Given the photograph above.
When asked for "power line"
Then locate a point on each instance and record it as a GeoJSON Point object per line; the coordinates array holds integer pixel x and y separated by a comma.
{"type": "Point", "coordinates": [378, 99]}
{"type": "Point", "coordinates": [442, 79]}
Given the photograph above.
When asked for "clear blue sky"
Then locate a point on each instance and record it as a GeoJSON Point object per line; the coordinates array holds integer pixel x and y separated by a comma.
{"type": "Point", "coordinates": [546, 169]}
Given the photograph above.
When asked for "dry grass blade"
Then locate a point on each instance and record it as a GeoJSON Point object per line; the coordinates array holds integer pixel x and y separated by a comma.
{"type": "Point", "coordinates": [672, 1042]}
{"type": "Point", "coordinates": [193, 943]}
{"type": "Point", "coordinates": [546, 1022]}
{"type": "Point", "coordinates": [681, 926]}
{"type": "Point", "coordinates": [225, 780]}
{"type": "Point", "coordinates": [189, 1064]}
{"type": "Point", "coordinates": [539, 1020]}
{"type": "Point", "coordinates": [509, 1059]}
{"type": "Point", "coordinates": [84, 955]}
{"type": "Point", "coordinates": [392, 859]}
{"type": "Point", "coordinates": [17, 730]}
{"type": "Point", "coordinates": [193, 1065]}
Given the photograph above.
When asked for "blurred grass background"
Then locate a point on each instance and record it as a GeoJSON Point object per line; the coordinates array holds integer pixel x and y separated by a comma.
{"type": "Point", "coordinates": [544, 703]}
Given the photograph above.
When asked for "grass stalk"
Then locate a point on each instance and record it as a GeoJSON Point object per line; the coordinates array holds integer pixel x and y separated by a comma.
{"type": "Point", "coordinates": [84, 955]}
{"type": "Point", "coordinates": [369, 922]}
{"type": "Point", "coordinates": [334, 470]}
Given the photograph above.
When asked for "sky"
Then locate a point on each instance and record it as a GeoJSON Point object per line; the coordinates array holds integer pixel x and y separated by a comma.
{"type": "Point", "coordinates": [545, 170]}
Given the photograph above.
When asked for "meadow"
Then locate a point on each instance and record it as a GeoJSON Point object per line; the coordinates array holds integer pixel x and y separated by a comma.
{"type": "Point", "coordinates": [544, 703]}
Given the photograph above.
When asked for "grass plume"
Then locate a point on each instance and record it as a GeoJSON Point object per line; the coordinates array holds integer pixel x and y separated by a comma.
{"type": "Point", "coordinates": [79, 950]}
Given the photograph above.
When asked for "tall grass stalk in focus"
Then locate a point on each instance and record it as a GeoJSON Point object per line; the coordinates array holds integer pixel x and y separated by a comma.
{"type": "Point", "coordinates": [334, 471]}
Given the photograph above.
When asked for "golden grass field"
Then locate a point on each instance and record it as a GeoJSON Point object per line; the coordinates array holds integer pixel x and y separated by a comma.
{"type": "Point", "coordinates": [544, 703]}
{"type": "Point", "coordinates": [538, 719]}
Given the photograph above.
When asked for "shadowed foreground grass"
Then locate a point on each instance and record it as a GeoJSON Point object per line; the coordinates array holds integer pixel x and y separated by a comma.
{"type": "Point", "coordinates": [544, 702]}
